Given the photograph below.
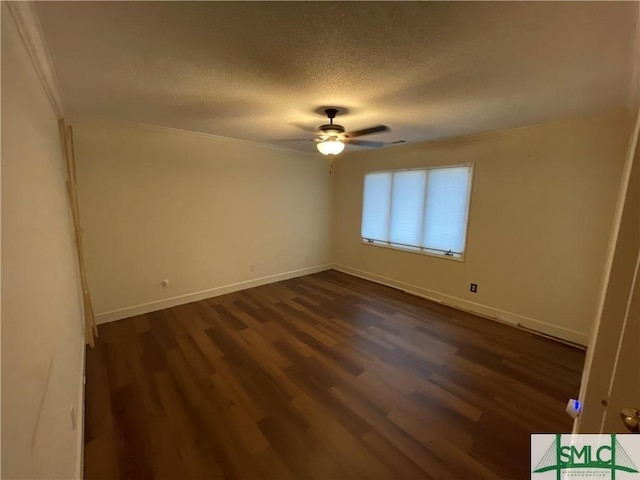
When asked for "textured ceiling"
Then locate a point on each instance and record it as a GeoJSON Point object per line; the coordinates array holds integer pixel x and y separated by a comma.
{"type": "Point", "coordinates": [259, 70]}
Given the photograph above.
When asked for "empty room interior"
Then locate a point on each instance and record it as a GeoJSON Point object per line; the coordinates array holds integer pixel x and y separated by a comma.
{"type": "Point", "coordinates": [316, 240]}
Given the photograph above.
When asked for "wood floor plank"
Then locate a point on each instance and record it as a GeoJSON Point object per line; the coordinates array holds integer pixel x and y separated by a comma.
{"type": "Point", "coordinates": [321, 377]}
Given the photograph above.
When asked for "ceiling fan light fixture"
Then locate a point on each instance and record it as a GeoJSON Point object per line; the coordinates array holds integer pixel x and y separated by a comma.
{"type": "Point", "coordinates": [330, 147]}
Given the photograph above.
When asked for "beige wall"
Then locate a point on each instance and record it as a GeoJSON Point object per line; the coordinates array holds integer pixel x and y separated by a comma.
{"type": "Point", "coordinates": [541, 212]}
{"type": "Point", "coordinates": [199, 211]}
{"type": "Point", "coordinates": [42, 341]}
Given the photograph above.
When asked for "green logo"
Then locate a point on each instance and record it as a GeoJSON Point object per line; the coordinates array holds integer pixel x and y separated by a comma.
{"type": "Point", "coordinates": [601, 456]}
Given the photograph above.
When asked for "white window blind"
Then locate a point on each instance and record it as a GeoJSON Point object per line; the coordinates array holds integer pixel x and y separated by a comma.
{"type": "Point", "coordinates": [407, 199]}
{"type": "Point", "coordinates": [445, 216]}
{"type": "Point", "coordinates": [422, 209]}
{"type": "Point", "coordinates": [377, 200]}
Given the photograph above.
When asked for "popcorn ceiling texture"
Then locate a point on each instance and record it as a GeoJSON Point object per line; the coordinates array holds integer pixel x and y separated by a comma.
{"type": "Point", "coordinates": [258, 70]}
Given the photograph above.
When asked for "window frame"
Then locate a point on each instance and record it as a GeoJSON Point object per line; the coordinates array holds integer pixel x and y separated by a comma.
{"type": "Point", "coordinates": [415, 249]}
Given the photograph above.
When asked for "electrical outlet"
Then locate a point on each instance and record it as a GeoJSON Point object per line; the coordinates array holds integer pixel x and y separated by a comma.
{"type": "Point", "coordinates": [473, 288]}
{"type": "Point", "coordinates": [252, 267]}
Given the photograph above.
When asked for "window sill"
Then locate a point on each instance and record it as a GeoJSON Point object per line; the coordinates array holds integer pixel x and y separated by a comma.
{"type": "Point", "coordinates": [415, 251]}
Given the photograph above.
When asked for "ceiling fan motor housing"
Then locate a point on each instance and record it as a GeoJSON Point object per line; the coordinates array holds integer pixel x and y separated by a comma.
{"type": "Point", "coordinates": [331, 130]}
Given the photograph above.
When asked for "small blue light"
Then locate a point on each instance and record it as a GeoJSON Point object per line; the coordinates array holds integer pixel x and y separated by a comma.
{"type": "Point", "coordinates": [576, 405]}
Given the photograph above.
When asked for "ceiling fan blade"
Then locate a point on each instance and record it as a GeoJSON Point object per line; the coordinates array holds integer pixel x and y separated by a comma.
{"type": "Point", "coordinates": [304, 127]}
{"type": "Point", "coordinates": [368, 131]}
{"type": "Point", "coordinates": [281, 140]}
{"type": "Point", "coordinates": [366, 143]}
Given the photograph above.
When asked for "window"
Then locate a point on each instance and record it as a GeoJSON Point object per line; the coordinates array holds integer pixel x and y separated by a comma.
{"type": "Point", "coordinates": [419, 210]}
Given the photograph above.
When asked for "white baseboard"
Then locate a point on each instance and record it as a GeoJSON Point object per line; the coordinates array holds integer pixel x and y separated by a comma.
{"type": "Point", "coordinates": [492, 313]}
{"type": "Point", "coordinates": [196, 296]}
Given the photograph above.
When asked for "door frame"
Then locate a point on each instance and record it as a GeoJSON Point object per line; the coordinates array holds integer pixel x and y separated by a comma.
{"type": "Point", "coordinates": [588, 375]}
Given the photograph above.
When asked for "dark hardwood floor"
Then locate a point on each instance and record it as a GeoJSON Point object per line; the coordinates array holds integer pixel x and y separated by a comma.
{"type": "Point", "coordinates": [326, 377]}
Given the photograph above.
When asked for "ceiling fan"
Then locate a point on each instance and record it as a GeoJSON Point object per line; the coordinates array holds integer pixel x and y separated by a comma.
{"type": "Point", "coordinates": [331, 138]}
